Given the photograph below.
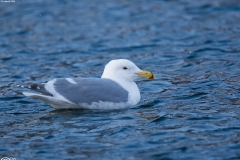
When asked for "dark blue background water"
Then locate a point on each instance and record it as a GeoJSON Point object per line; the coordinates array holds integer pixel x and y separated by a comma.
{"type": "Point", "coordinates": [191, 111]}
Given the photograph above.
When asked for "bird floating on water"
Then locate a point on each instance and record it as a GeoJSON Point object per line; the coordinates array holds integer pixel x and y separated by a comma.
{"type": "Point", "coordinates": [116, 88]}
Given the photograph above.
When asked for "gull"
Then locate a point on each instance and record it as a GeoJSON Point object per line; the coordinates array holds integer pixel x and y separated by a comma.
{"type": "Point", "coordinates": [115, 89]}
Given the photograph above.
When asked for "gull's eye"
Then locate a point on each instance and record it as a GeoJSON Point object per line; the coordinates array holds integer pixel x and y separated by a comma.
{"type": "Point", "coordinates": [125, 68]}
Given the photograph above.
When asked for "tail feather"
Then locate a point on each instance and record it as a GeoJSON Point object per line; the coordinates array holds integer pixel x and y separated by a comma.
{"type": "Point", "coordinates": [40, 88]}
{"type": "Point", "coordinates": [55, 102]}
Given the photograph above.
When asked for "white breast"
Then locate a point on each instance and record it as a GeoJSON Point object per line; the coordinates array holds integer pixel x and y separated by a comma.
{"type": "Point", "coordinates": [133, 91]}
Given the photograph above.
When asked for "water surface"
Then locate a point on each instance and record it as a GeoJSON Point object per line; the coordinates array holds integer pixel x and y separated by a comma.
{"type": "Point", "coordinates": [191, 111]}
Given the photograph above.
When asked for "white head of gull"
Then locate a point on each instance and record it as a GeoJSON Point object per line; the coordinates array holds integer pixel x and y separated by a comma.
{"type": "Point", "coordinates": [114, 90]}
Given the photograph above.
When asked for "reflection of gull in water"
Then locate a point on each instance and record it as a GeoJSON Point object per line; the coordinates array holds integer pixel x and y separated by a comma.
{"type": "Point", "coordinates": [115, 89]}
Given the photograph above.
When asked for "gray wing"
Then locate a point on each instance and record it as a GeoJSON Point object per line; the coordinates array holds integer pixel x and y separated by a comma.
{"type": "Point", "coordinates": [88, 90]}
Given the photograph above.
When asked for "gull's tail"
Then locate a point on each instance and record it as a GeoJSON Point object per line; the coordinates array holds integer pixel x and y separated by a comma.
{"type": "Point", "coordinates": [53, 101]}
{"type": "Point", "coordinates": [40, 88]}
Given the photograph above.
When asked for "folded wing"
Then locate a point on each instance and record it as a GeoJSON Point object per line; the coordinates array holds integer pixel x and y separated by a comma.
{"type": "Point", "coordinates": [88, 90]}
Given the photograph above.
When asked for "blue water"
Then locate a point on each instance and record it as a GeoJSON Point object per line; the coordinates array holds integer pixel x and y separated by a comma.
{"type": "Point", "coordinates": [191, 111]}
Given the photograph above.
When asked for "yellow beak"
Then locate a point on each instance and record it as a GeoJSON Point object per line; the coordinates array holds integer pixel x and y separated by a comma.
{"type": "Point", "coordinates": [146, 74]}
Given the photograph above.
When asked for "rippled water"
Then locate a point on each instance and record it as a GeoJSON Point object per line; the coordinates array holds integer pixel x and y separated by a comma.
{"type": "Point", "coordinates": [191, 111]}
